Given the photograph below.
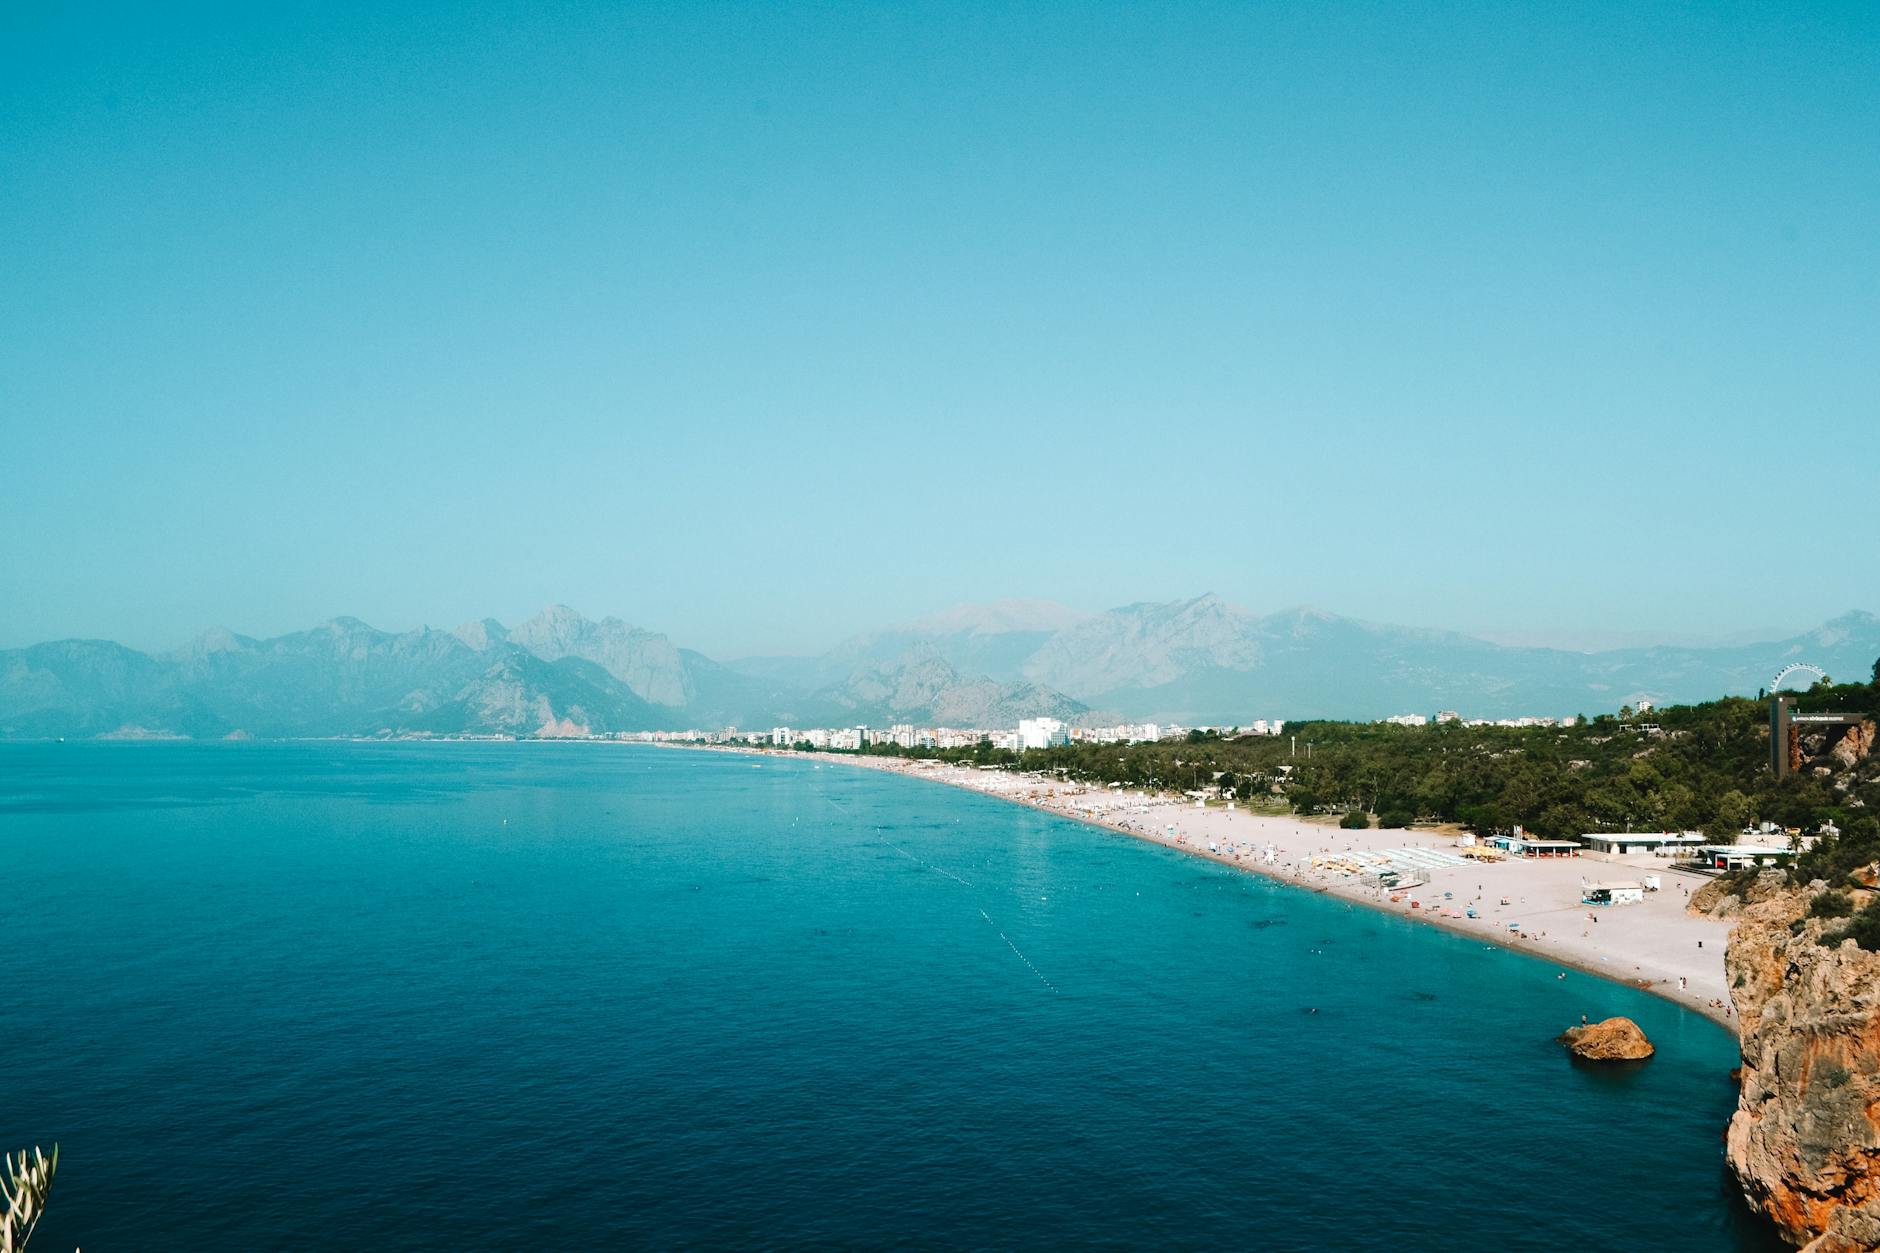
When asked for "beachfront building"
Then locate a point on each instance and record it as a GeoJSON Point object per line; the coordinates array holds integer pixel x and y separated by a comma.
{"type": "Point", "coordinates": [1041, 733]}
{"type": "Point", "coordinates": [1623, 893]}
{"type": "Point", "coordinates": [1525, 846]}
{"type": "Point", "coordinates": [1742, 856]}
{"type": "Point", "coordinates": [1661, 843]}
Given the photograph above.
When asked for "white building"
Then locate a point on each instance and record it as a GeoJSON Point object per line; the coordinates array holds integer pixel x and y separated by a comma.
{"type": "Point", "coordinates": [1625, 843]}
{"type": "Point", "coordinates": [1041, 733]}
{"type": "Point", "coordinates": [1625, 893]}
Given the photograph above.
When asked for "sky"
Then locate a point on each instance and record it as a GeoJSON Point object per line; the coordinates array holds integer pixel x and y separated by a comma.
{"type": "Point", "coordinates": [764, 324]}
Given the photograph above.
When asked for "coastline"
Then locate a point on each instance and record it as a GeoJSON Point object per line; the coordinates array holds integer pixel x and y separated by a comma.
{"type": "Point", "coordinates": [1651, 949]}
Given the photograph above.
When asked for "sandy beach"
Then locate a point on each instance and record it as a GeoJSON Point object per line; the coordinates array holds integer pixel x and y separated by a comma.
{"type": "Point", "coordinates": [1525, 904]}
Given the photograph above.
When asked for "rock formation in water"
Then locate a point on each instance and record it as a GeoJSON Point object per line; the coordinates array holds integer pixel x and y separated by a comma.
{"type": "Point", "coordinates": [1805, 1140]}
{"type": "Point", "coordinates": [1614, 1040]}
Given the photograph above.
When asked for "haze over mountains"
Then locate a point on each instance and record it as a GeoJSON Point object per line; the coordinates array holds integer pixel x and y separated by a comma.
{"type": "Point", "coordinates": [560, 673]}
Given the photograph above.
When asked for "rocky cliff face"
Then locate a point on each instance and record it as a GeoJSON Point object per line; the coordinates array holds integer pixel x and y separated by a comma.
{"type": "Point", "coordinates": [1805, 1140]}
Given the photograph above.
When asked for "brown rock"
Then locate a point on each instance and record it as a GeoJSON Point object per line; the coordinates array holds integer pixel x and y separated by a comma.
{"type": "Point", "coordinates": [1732, 894]}
{"type": "Point", "coordinates": [1614, 1040]}
{"type": "Point", "coordinates": [1855, 744]}
{"type": "Point", "coordinates": [1805, 1140]}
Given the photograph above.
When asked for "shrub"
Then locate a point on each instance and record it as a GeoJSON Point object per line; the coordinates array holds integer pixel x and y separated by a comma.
{"type": "Point", "coordinates": [1830, 904]}
{"type": "Point", "coordinates": [1863, 928]}
{"type": "Point", "coordinates": [1356, 820]}
{"type": "Point", "coordinates": [1394, 818]}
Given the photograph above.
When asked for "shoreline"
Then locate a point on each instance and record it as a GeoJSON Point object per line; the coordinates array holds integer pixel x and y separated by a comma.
{"type": "Point", "coordinates": [1658, 942]}
{"type": "Point", "coordinates": [1653, 970]}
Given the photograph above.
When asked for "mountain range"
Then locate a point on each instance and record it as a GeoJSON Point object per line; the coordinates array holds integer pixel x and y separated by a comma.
{"type": "Point", "coordinates": [1200, 660]}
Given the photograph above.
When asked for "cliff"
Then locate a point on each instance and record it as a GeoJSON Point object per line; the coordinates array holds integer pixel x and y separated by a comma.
{"type": "Point", "coordinates": [1805, 1140]}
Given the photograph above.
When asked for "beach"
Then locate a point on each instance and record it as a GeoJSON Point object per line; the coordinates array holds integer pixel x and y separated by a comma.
{"type": "Point", "coordinates": [1531, 905]}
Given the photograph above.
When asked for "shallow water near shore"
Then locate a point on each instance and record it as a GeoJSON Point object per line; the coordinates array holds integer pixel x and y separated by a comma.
{"type": "Point", "coordinates": [439, 996]}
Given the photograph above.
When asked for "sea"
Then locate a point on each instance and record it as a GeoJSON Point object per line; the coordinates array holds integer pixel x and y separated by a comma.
{"type": "Point", "coordinates": [589, 996]}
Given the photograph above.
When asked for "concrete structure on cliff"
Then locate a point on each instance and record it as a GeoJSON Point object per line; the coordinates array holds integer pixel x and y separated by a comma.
{"type": "Point", "coordinates": [1786, 728]}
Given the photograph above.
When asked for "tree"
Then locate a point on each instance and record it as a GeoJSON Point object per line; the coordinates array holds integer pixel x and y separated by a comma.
{"type": "Point", "coordinates": [1876, 671]}
{"type": "Point", "coordinates": [28, 1182]}
{"type": "Point", "coordinates": [1356, 820]}
{"type": "Point", "coordinates": [1733, 813]}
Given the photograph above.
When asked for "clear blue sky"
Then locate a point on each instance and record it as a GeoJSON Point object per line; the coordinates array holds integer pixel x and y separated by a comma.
{"type": "Point", "coordinates": [763, 324]}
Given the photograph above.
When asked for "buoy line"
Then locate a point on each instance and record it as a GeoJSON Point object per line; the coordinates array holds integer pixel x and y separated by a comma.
{"type": "Point", "coordinates": [1021, 956]}
{"type": "Point", "coordinates": [929, 865]}
{"type": "Point", "coordinates": [1056, 991]}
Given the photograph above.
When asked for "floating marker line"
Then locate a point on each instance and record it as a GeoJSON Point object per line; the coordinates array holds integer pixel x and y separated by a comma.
{"type": "Point", "coordinates": [1021, 956]}
{"type": "Point", "coordinates": [1055, 990]}
{"type": "Point", "coordinates": [929, 865]}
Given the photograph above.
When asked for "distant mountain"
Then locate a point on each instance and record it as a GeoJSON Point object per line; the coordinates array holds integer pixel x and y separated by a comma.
{"type": "Point", "coordinates": [558, 673]}
{"type": "Point", "coordinates": [1205, 660]}
{"type": "Point", "coordinates": [693, 689]}
{"type": "Point", "coordinates": [341, 678]}
{"type": "Point", "coordinates": [993, 640]}
{"type": "Point", "coordinates": [921, 686]}
{"type": "Point", "coordinates": [646, 662]}
{"type": "Point", "coordinates": [88, 687]}
{"type": "Point", "coordinates": [1189, 661]}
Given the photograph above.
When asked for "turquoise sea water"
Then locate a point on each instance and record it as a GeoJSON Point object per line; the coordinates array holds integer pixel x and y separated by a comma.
{"type": "Point", "coordinates": [533, 996]}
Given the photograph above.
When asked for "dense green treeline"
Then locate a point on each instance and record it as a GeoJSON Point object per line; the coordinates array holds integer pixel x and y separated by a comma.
{"type": "Point", "coordinates": [1693, 767]}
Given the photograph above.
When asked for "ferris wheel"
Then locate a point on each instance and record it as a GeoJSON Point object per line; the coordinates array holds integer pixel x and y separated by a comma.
{"type": "Point", "coordinates": [1785, 672]}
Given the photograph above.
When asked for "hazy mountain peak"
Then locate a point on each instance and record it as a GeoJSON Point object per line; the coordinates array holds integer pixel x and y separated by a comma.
{"type": "Point", "coordinates": [1208, 605]}
{"type": "Point", "coordinates": [643, 660]}
{"type": "Point", "coordinates": [996, 618]}
{"type": "Point", "coordinates": [214, 640]}
{"type": "Point", "coordinates": [346, 625]}
{"type": "Point", "coordinates": [558, 614]}
{"type": "Point", "coordinates": [1855, 623]}
{"type": "Point", "coordinates": [482, 633]}
{"type": "Point", "coordinates": [1303, 613]}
